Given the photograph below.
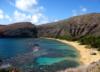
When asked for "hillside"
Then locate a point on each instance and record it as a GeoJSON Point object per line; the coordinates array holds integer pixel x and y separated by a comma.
{"type": "Point", "coordinates": [76, 27]}
{"type": "Point", "coordinates": [21, 29]}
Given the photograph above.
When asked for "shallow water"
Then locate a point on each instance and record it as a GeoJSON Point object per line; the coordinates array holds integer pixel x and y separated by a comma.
{"type": "Point", "coordinates": [52, 54]}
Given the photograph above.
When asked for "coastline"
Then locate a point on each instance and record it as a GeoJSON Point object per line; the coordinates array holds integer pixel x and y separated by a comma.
{"type": "Point", "coordinates": [85, 53]}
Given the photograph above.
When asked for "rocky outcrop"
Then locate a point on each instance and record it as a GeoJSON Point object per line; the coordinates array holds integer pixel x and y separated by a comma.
{"type": "Point", "coordinates": [22, 29]}
{"type": "Point", "coordinates": [76, 27]}
{"type": "Point", "coordinates": [93, 67]}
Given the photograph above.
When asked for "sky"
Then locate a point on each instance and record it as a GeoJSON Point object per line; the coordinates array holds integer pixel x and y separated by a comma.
{"type": "Point", "coordinates": [44, 11]}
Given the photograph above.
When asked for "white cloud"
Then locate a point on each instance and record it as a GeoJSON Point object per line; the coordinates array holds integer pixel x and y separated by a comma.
{"type": "Point", "coordinates": [28, 5]}
{"type": "Point", "coordinates": [74, 12]}
{"type": "Point", "coordinates": [1, 14]}
{"type": "Point", "coordinates": [1, 11]}
{"type": "Point", "coordinates": [83, 9]}
{"type": "Point", "coordinates": [55, 20]}
{"type": "Point", "coordinates": [27, 10]}
{"type": "Point", "coordinates": [80, 11]}
{"type": "Point", "coordinates": [36, 18]}
{"type": "Point", "coordinates": [39, 18]}
{"type": "Point", "coordinates": [8, 17]}
{"type": "Point", "coordinates": [19, 16]}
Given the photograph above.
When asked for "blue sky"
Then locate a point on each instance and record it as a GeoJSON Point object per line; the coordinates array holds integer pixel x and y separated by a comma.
{"type": "Point", "coordinates": [44, 11]}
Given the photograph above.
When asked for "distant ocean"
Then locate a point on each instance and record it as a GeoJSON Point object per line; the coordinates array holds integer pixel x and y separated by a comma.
{"type": "Point", "coordinates": [52, 55]}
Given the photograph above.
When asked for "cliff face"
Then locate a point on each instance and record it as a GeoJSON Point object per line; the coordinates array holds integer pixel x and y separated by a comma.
{"type": "Point", "coordinates": [75, 27]}
{"type": "Point", "coordinates": [53, 29]}
{"type": "Point", "coordinates": [22, 29]}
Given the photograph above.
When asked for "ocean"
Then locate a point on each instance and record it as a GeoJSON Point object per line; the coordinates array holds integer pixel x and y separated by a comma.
{"type": "Point", "coordinates": [51, 56]}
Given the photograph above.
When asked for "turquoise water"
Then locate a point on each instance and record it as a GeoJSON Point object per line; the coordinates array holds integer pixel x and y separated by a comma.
{"type": "Point", "coordinates": [49, 61]}
{"type": "Point", "coordinates": [52, 53]}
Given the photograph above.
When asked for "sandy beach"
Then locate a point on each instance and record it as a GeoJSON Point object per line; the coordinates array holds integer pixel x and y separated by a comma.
{"type": "Point", "coordinates": [85, 53]}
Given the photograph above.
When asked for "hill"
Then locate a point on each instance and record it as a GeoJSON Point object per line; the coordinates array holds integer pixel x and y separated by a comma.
{"type": "Point", "coordinates": [76, 27]}
{"type": "Point", "coordinates": [21, 29]}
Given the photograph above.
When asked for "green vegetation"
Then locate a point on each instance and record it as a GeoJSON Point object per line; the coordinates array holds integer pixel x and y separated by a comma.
{"type": "Point", "coordinates": [65, 37]}
{"type": "Point", "coordinates": [91, 40]}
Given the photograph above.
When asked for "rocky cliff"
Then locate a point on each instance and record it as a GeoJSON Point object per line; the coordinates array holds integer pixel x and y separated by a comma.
{"type": "Point", "coordinates": [21, 29]}
{"type": "Point", "coordinates": [93, 67]}
{"type": "Point", "coordinates": [75, 27]}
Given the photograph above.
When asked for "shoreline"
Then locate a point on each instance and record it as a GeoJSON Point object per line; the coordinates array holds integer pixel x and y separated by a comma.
{"type": "Point", "coordinates": [85, 53]}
